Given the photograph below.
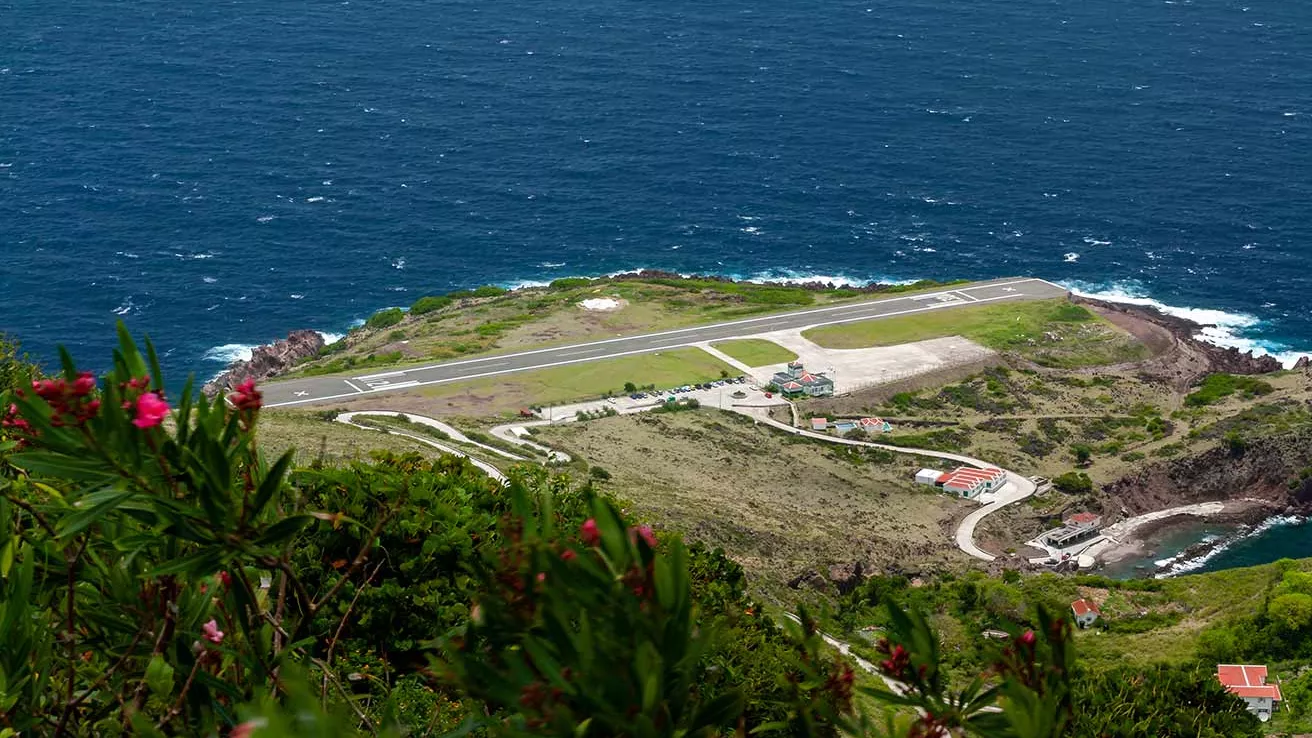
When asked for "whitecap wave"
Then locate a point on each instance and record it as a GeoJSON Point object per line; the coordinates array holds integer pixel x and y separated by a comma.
{"type": "Point", "coordinates": [208, 280]}
{"type": "Point", "coordinates": [551, 264]}
{"type": "Point", "coordinates": [523, 284]}
{"type": "Point", "coordinates": [330, 338]}
{"type": "Point", "coordinates": [1179, 564]}
{"type": "Point", "coordinates": [398, 263]}
{"type": "Point", "coordinates": [229, 352]}
{"type": "Point", "coordinates": [1224, 329]}
{"type": "Point", "coordinates": [1070, 257]}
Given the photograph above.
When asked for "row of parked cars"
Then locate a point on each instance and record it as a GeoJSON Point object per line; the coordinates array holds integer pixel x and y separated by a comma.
{"type": "Point", "coordinates": [690, 388]}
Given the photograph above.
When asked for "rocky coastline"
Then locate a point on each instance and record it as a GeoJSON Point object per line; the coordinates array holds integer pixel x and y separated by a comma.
{"type": "Point", "coordinates": [1180, 357]}
{"type": "Point", "coordinates": [267, 361]}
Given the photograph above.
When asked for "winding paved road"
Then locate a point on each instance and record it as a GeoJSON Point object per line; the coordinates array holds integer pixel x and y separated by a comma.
{"type": "Point", "coordinates": [310, 390]}
{"type": "Point", "coordinates": [491, 471]}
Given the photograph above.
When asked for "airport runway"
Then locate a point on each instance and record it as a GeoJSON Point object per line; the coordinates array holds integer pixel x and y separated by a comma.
{"type": "Point", "coordinates": [322, 389]}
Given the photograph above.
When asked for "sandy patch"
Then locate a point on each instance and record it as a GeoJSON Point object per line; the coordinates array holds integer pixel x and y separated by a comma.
{"type": "Point", "coordinates": [603, 304]}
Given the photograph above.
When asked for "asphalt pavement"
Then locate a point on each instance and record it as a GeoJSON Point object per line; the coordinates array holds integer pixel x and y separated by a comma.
{"type": "Point", "coordinates": [311, 390]}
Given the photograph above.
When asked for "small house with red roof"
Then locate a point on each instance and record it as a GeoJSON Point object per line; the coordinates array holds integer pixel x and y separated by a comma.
{"type": "Point", "coordinates": [1085, 612]}
{"type": "Point", "coordinates": [796, 381]}
{"type": "Point", "coordinates": [1249, 683]}
{"type": "Point", "coordinates": [875, 425]}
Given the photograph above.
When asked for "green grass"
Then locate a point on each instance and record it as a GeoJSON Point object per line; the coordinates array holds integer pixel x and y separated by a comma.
{"type": "Point", "coordinates": [756, 352]}
{"type": "Point", "coordinates": [586, 380]}
{"type": "Point", "coordinates": [1217, 387]}
{"type": "Point", "coordinates": [1049, 332]}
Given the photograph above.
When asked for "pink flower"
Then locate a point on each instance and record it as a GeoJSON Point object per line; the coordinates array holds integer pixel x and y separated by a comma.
{"type": "Point", "coordinates": [210, 632]}
{"type": "Point", "coordinates": [151, 409]}
{"type": "Point", "coordinates": [244, 730]}
{"type": "Point", "coordinates": [1027, 638]}
{"type": "Point", "coordinates": [589, 532]}
{"type": "Point", "coordinates": [84, 384]}
{"type": "Point", "coordinates": [246, 397]}
{"type": "Point", "coordinates": [643, 532]}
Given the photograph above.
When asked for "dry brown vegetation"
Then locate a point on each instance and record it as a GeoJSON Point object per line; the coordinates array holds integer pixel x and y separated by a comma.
{"type": "Point", "coordinates": [780, 505]}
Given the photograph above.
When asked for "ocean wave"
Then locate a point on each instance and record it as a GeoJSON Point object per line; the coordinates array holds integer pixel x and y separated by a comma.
{"type": "Point", "coordinates": [229, 352]}
{"type": "Point", "coordinates": [330, 338]}
{"type": "Point", "coordinates": [1224, 329]}
{"type": "Point", "coordinates": [1176, 565]}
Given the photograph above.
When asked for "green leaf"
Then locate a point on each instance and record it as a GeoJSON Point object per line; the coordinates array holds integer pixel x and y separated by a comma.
{"type": "Point", "coordinates": [284, 529]}
{"type": "Point", "coordinates": [91, 509]}
{"type": "Point", "coordinates": [720, 712]}
{"type": "Point", "coordinates": [61, 466]}
{"type": "Point", "coordinates": [7, 557]}
{"type": "Point", "coordinates": [159, 676]}
{"type": "Point", "coordinates": [272, 482]}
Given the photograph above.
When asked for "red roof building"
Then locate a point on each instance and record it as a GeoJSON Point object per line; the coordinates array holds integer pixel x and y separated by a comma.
{"type": "Point", "coordinates": [1083, 520]}
{"type": "Point", "coordinates": [1085, 611]}
{"type": "Point", "coordinates": [1249, 682]}
{"type": "Point", "coordinates": [971, 482]}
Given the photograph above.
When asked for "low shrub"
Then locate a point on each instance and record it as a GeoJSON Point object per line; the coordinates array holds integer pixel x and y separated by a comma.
{"type": "Point", "coordinates": [430, 304]}
{"type": "Point", "coordinates": [385, 318]}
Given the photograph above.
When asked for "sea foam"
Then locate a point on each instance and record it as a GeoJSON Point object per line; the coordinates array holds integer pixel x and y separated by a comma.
{"type": "Point", "coordinates": [1178, 564]}
{"type": "Point", "coordinates": [229, 352]}
{"type": "Point", "coordinates": [1224, 329]}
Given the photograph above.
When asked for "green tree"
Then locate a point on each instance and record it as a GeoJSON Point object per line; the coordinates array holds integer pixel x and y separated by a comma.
{"type": "Point", "coordinates": [1082, 453]}
{"type": "Point", "coordinates": [1292, 612]}
{"type": "Point", "coordinates": [1074, 483]}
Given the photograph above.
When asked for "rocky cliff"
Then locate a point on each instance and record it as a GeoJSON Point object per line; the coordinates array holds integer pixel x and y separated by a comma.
{"type": "Point", "coordinates": [267, 361]}
{"type": "Point", "coordinates": [1181, 359]}
{"type": "Point", "coordinates": [1262, 470]}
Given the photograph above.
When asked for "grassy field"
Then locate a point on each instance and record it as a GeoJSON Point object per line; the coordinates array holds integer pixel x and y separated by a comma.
{"type": "Point", "coordinates": [756, 352]}
{"type": "Point", "coordinates": [1051, 333]}
{"type": "Point", "coordinates": [506, 394]}
{"type": "Point", "coordinates": [490, 320]}
{"type": "Point", "coordinates": [778, 504]}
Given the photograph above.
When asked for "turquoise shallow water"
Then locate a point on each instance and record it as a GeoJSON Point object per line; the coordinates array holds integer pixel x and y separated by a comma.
{"type": "Point", "coordinates": [1277, 538]}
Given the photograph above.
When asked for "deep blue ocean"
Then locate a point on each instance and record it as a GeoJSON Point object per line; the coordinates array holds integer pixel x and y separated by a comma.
{"type": "Point", "coordinates": [218, 173]}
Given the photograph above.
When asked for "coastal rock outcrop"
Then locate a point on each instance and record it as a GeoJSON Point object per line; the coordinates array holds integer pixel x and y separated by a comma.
{"type": "Point", "coordinates": [267, 361]}
{"type": "Point", "coordinates": [1180, 358]}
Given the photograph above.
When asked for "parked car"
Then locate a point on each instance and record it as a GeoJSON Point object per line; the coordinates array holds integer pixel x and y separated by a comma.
{"type": "Point", "coordinates": [769, 394]}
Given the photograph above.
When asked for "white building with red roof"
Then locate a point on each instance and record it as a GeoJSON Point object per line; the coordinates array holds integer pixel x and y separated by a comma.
{"type": "Point", "coordinates": [1085, 612]}
{"type": "Point", "coordinates": [1249, 683]}
{"type": "Point", "coordinates": [970, 482]}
